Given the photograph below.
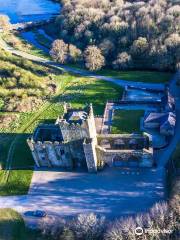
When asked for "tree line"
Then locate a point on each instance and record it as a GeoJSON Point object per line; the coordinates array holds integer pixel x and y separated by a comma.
{"type": "Point", "coordinates": [119, 34]}
{"type": "Point", "coordinates": [161, 222]}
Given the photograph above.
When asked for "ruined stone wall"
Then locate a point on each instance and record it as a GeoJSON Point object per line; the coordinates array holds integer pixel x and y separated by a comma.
{"type": "Point", "coordinates": [65, 155]}
{"type": "Point", "coordinates": [144, 158]}
{"type": "Point", "coordinates": [48, 154]}
{"type": "Point", "coordinates": [91, 125]}
{"type": "Point", "coordinates": [76, 151]}
{"type": "Point", "coordinates": [72, 132]}
{"type": "Point", "coordinates": [123, 141]}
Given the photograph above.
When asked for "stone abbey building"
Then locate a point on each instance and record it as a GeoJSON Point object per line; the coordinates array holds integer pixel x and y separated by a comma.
{"type": "Point", "coordinates": [73, 142]}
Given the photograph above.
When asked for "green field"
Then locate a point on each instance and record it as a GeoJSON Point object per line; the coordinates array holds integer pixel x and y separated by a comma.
{"type": "Point", "coordinates": [126, 121]}
{"type": "Point", "coordinates": [17, 184]}
{"type": "Point", "coordinates": [138, 76]}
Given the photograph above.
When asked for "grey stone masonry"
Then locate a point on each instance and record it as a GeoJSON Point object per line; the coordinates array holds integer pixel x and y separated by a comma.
{"type": "Point", "coordinates": [72, 142]}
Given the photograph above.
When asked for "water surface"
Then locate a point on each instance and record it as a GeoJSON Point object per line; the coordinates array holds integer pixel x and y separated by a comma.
{"type": "Point", "coordinates": [28, 10]}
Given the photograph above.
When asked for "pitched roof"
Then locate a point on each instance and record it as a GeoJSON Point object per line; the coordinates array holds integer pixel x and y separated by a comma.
{"type": "Point", "coordinates": [162, 118]}
{"type": "Point", "coordinates": [153, 116]}
{"type": "Point", "coordinates": [73, 116]}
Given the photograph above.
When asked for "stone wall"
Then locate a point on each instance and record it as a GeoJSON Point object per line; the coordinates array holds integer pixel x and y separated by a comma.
{"type": "Point", "coordinates": [126, 158]}
{"type": "Point", "coordinates": [90, 154]}
{"type": "Point", "coordinates": [79, 146]}
{"type": "Point", "coordinates": [71, 131]}
{"type": "Point", "coordinates": [123, 141]}
{"type": "Point", "coordinates": [65, 155]}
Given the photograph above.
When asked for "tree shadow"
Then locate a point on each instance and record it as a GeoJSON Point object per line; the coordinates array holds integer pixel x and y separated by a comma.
{"type": "Point", "coordinates": [20, 156]}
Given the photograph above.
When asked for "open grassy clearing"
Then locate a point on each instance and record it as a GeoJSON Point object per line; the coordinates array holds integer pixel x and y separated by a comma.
{"type": "Point", "coordinates": [126, 121]}
{"type": "Point", "coordinates": [138, 76]}
{"type": "Point", "coordinates": [12, 226]}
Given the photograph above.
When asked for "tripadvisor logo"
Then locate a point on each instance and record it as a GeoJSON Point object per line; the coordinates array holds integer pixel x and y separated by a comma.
{"type": "Point", "coordinates": [138, 231]}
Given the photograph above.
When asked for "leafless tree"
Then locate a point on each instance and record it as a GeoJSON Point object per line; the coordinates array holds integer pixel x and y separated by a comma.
{"type": "Point", "coordinates": [59, 51]}
{"type": "Point", "coordinates": [94, 60]}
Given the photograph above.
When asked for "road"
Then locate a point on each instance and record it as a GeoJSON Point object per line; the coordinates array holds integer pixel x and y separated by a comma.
{"type": "Point", "coordinates": [85, 73]}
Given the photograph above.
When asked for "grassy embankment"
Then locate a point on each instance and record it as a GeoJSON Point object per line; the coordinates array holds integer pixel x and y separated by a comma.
{"type": "Point", "coordinates": [12, 227]}
{"type": "Point", "coordinates": [19, 43]}
{"type": "Point", "coordinates": [74, 89]}
{"type": "Point", "coordinates": [138, 76]}
{"type": "Point", "coordinates": [126, 121]}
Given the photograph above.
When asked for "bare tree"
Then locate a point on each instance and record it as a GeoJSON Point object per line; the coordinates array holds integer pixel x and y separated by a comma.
{"type": "Point", "coordinates": [88, 226]}
{"type": "Point", "coordinates": [123, 61]}
{"type": "Point", "coordinates": [75, 54]}
{"type": "Point", "coordinates": [94, 60]}
{"type": "Point", "coordinates": [59, 51]}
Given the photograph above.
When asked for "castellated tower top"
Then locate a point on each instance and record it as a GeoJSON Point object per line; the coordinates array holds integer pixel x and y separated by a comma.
{"type": "Point", "coordinates": [77, 123]}
{"type": "Point", "coordinates": [76, 115]}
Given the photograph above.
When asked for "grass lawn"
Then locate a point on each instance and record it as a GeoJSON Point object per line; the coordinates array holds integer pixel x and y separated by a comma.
{"type": "Point", "coordinates": [138, 76]}
{"type": "Point", "coordinates": [87, 90]}
{"type": "Point", "coordinates": [17, 184]}
{"type": "Point", "coordinates": [12, 227]}
{"type": "Point", "coordinates": [126, 121]}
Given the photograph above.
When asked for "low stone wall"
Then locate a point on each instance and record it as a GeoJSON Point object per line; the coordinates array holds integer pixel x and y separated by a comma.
{"type": "Point", "coordinates": [126, 158]}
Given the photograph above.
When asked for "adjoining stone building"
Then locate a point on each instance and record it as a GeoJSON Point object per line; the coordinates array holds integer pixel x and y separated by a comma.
{"type": "Point", "coordinates": [165, 119]}
{"type": "Point", "coordinates": [73, 142]}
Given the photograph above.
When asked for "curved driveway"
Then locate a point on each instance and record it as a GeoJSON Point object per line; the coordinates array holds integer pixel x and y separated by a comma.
{"type": "Point", "coordinates": [85, 73]}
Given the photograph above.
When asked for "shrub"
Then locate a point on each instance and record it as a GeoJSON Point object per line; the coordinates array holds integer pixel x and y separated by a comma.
{"type": "Point", "coordinates": [88, 226]}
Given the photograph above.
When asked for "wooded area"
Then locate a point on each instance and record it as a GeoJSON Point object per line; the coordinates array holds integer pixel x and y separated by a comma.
{"type": "Point", "coordinates": [121, 34]}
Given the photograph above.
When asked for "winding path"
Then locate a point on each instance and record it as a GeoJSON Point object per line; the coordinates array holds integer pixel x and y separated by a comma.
{"type": "Point", "coordinates": [85, 73]}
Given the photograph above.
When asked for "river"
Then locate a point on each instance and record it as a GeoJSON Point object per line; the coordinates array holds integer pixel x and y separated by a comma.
{"type": "Point", "coordinates": [28, 10]}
